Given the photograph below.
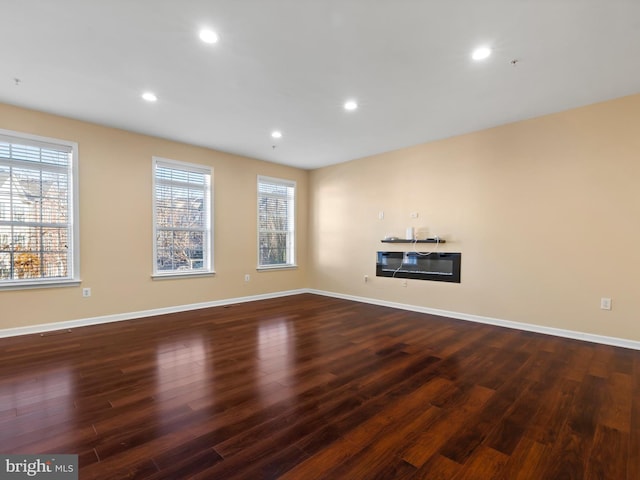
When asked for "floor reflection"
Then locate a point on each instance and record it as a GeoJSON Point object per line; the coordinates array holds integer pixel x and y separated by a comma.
{"type": "Point", "coordinates": [274, 359]}
{"type": "Point", "coordinates": [180, 362]}
{"type": "Point", "coordinates": [182, 375]}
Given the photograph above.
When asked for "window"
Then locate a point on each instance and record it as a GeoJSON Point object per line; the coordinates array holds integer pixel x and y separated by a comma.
{"type": "Point", "coordinates": [182, 218]}
{"type": "Point", "coordinates": [276, 223]}
{"type": "Point", "coordinates": [38, 208]}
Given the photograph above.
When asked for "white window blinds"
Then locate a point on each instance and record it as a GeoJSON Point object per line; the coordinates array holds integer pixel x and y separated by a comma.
{"type": "Point", "coordinates": [276, 222]}
{"type": "Point", "coordinates": [37, 211]}
{"type": "Point", "coordinates": [182, 218]}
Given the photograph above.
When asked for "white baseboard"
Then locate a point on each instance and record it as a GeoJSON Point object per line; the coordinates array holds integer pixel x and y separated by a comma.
{"type": "Point", "coordinates": [587, 337]}
{"type": "Point", "coordinates": [84, 322]}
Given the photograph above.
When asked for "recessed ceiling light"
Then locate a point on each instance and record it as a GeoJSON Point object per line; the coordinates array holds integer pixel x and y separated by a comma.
{"type": "Point", "coordinates": [149, 97]}
{"type": "Point", "coordinates": [276, 134]}
{"type": "Point", "coordinates": [208, 36]}
{"type": "Point", "coordinates": [350, 105]}
{"type": "Point", "coordinates": [481, 53]}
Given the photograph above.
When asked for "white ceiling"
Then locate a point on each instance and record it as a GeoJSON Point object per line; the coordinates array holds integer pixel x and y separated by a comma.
{"type": "Point", "coordinates": [291, 64]}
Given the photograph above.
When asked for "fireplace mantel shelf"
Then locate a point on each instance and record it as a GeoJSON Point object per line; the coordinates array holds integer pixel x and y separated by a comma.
{"type": "Point", "coordinates": [402, 240]}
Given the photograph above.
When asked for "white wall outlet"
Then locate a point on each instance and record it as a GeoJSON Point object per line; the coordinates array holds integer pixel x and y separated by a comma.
{"type": "Point", "coordinates": [247, 277]}
{"type": "Point", "coordinates": [86, 292]}
{"type": "Point", "coordinates": [605, 303]}
{"type": "Point", "coordinates": [380, 215]}
{"type": "Point", "coordinates": [413, 214]}
{"type": "Point", "coordinates": [366, 278]}
{"type": "Point", "coordinates": [404, 283]}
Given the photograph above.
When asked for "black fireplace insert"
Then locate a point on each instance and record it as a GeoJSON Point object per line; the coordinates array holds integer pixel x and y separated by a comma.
{"type": "Point", "coordinates": [436, 266]}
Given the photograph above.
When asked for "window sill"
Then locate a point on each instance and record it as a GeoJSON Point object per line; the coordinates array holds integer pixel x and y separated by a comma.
{"type": "Point", "coordinates": [276, 267]}
{"type": "Point", "coordinates": [39, 284]}
{"type": "Point", "coordinates": [175, 275]}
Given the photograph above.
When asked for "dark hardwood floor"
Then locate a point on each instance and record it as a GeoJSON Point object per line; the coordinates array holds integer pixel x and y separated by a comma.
{"type": "Point", "coordinates": [309, 387]}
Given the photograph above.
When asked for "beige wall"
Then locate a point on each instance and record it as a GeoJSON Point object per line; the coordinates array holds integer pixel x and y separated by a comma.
{"type": "Point", "coordinates": [546, 213]}
{"type": "Point", "coordinates": [116, 226]}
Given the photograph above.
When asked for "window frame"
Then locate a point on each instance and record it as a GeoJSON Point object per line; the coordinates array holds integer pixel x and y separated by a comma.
{"type": "Point", "coordinates": [291, 248]}
{"type": "Point", "coordinates": [208, 251]}
{"type": "Point", "coordinates": [73, 207]}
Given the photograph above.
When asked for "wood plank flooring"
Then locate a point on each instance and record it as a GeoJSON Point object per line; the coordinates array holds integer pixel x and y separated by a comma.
{"type": "Point", "coordinates": [311, 387]}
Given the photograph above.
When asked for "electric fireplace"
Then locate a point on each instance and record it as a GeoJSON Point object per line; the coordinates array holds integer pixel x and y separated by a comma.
{"type": "Point", "coordinates": [436, 266]}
